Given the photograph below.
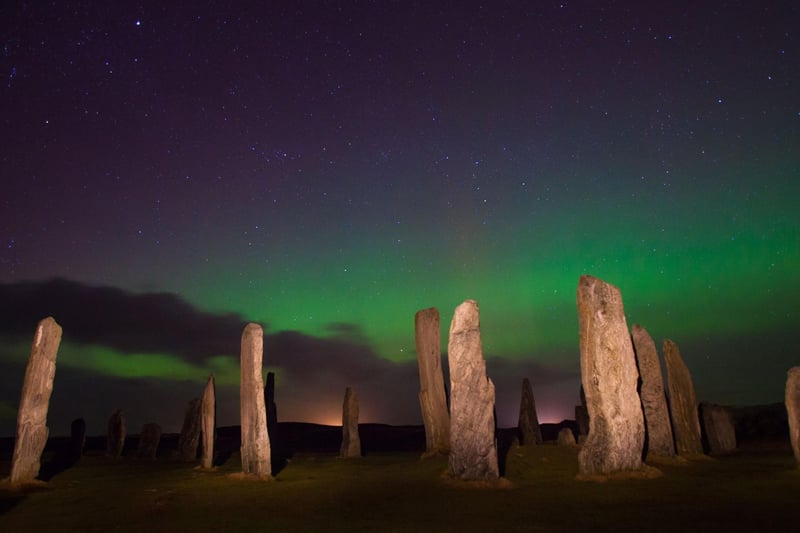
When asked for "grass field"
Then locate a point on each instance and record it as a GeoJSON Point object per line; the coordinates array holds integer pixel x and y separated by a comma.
{"type": "Point", "coordinates": [747, 491]}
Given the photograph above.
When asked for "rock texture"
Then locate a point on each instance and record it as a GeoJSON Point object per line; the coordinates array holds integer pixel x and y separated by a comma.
{"type": "Point", "coordinates": [149, 439]}
{"type": "Point", "coordinates": [189, 438]}
{"type": "Point", "coordinates": [610, 378]}
{"type": "Point", "coordinates": [718, 426]}
{"type": "Point", "coordinates": [432, 398]}
{"type": "Point", "coordinates": [473, 447]}
{"type": "Point", "coordinates": [351, 442]}
{"type": "Point", "coordinates": [793, 409]}
{"type": "Point", "coordinates": [255, 448]}
{"type": "Point", "coordinates": [34, 402]}
{"type": "Point", "coordinates": [208, 423]}
{"type": "Point", "coordinates": [529, 430]}
{"type": "Point", "coordinates": [77, 437]}
{"type": "Point", "coordinates": [682, 403]}
{"type": "Point", "coordinates": [116, 434]}
{"type": "Point", "coordinates": [565, 437]}
{"type": "Point", "coordinates": [654, 399]}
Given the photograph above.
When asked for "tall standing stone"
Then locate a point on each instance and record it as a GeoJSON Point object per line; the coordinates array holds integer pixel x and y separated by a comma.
{"type": "Point", "coordinates": [473, 447]}
{"type": "Point", "coordinates": [529, 429]}
{"type": "Point", "coordinates": [116, 434]}
{"type": "Point", "coordinates": [77, 437]}
{"type": "Point", "coordinates": [34, 402]}
{"type": "Point", "coordinates": [793, 409]}
{"type": "Point", "coordinates": [190, 432]}
{"type": "Point", "coordinates": [351, 442]}
{"type": "Point", "coordinates": [208, 423]}
{"type": "Point", "coordinates": [720, 430]}
{"type": "Point", "coordinates": [149, 439]}
{"type": "Point", "coordinates": [432, 398]}
{"type": "Point", "coordinates": [255, 449]}
{"type": "Point", "coordinates": [610, 379]}
{"type": "Point", "coordinates": [654, 399]}
{"type": "Point", "coordinates": [682, 403]}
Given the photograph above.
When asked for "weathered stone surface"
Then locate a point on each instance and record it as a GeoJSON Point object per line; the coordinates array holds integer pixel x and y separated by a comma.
{"type": "Point", "coordinates": [718, 426]}
{"type": "Point", "coordinates": [654, 399]}
{"type": "Point", "coordinates": [272, 409]}
{"type": "Point", "coordinates": [116, 434]}
{"type": "Point", "coordinates": [77, 437]}
{"type": "Point", "coordinates": [529, 430]}
{"type": "Point", "coordinates": [432, 398]}
{"type": "Point", "coordinates": [255, 449]}
{"type": "Point", "coordinates": [610, 378]}
{"type": "Point", "coordinates": [351, 442]}
{"type": "Point", "coordinates": [34, 402]}
{"type": "Point", "coordinates": [682, 403]}
{"type": "Point", "coordinates": [189, 438]}
{"type": "Point", "coordinates": [149, 439]}
{"type": "Point", "coordinates": [793, 409]}
{"type": "Point", "coordinates": [208, 423]}
{"type": "Point", "coordinates": [473, 447]}
{"type": "Point", "coordinates": [565, 437]}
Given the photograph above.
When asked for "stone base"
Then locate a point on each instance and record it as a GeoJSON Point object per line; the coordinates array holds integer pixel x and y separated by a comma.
{"type": "Point", "coordinates": [500, 483]}
{"type": "Point", "coordinates": [645, 472]}
{"type": "Point", "coordinates": [241, 476]}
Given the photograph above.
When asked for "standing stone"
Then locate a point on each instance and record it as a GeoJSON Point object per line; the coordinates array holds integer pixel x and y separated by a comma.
{"type": "Point", "coordinates": [565, 437]}
{"type": "Point", "coordinates": [432, 398]}
{"type": "Point", "coordinates": [272, 409]}
{"type": "Point", "coordinates": [190, 432]}
{"type": "Point", "coordinates": [351, 443]}
{"type": "Point", "coordinates": [582, 418]}
{"type": "Point", "coordinates": [682, 403]}
{"type": "Point", "coordinates": [255, 449]}
{"type": "Point", "coordinates": [529, 429]}
{"type": "Point", "coordinates": [610, 379]}
{"type": "Point", "coordinates": [116, 434]}
{"type": "Point", "coordinates": [149, 438]}
{"type": "Point", "coordinates": [654, 399]}
{"type": "Point", "coordinates": [719, 429]}
{"type": "Point", "coordinates": [77, 437]}
{"type": "Point", "coordinates": [793, 409]}
{"type": "Point", "coordinates": [208, 423]}
{"type": "Point", "coordinates": [34, 402]}
{"type": "Point", "coordinates": [473, 447]}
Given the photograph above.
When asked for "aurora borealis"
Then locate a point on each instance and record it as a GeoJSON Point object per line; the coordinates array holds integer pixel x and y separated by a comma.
{"type": "Point", "coordinates": [327, 169]}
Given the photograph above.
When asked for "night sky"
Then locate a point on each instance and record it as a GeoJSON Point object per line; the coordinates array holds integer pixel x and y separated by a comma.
{"type": "Point", "coordinates": [326, 169]}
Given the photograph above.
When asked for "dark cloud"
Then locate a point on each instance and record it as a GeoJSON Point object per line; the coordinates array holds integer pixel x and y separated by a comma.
{"type": "Point", "coordinates": [127, 322]}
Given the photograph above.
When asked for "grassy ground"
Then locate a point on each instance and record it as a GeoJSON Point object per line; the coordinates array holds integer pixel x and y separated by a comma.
{"type": "Point", "coordinates": [749, 491]}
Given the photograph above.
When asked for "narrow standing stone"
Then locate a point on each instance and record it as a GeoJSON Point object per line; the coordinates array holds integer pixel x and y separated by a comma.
{"type": "Point", "coordinates": [582, 418]}
{"type": "Point", "coordinates": [529, 429]}
{"type": "Point", "coordinates": [719, 429]}
{"type": "Point", "coordinates": [682, 403]}
{"type": "Point", "coordinates": [610, 379]}
{"type": "Point", "coordinates": [654, 399]}
{"type": "Point", "coordinates": [116, 434]}
{"type": "Point", "coordinates": [432, 398]}
{"type": "Point", "coordinates": [190, 432]}
{"type": "Point", "coordinates": [255, 449]}
{"type": "Point", "coordinates": [208, 423]}
{"type": "Point", "coordinates": [351, 442]}
{"type": "Point", "coordinates": [473, 447]}
{"type": "Point", "coordinates": [77, 437]}
{"type": "Point", "coordinates": [34, 402]}
{"type": "Point", "coordinates": [793, 409]}
{"type": "Point", "coordinates": [149, 439]}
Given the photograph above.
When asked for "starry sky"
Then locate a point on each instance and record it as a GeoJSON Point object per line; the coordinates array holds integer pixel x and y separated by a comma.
{"type": "Point", "coordinates": [326, 169]}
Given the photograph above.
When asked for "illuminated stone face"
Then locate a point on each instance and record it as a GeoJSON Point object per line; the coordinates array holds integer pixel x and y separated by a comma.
{"type": "Point", "coordinates": [432, 399]}
{"type": "Point", "coordinates": [654, 400]}
{"type": "Point", "coordinates": [682, 403]}
{"type": "Point", "coordinates": [351, 442]}
{"type": "Point", "coordinates": [793, 409]}
{"type": "Point", "coordinates": [255, 449]}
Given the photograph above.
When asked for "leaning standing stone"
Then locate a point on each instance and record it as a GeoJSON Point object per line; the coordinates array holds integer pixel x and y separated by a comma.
{"type": "Point", "coordinates": [793, 409]}
{"type": "Point", "coordinates": [116, 434]}
{"type": "Point", "coordinates": [255, 449]}
{"type": "Point", "coordinates": [529, 429]}
{"type": "Point", "coordinates": [654, 400]}
{"type": "Point", "coordinates": [610, 378]}
{"type": "Point", "coordinates": [682, 403]}
{"type": "Point", "coordinates": [34, 402]}
{"type": "Point", "coordinates": [719, 428]}
{"type": "Point", "coordinates": [149, 439]}
{"type": "Point", "coordinates": [190, 432]}
{"type": "Point", "coordinates": [473, 448]}
{"type": "Point", "coordinates": [432, 399]}
{"type": "Point", "coordinates": [209, 423]}
{"type": "Point", "coordinates": [351, 442]}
